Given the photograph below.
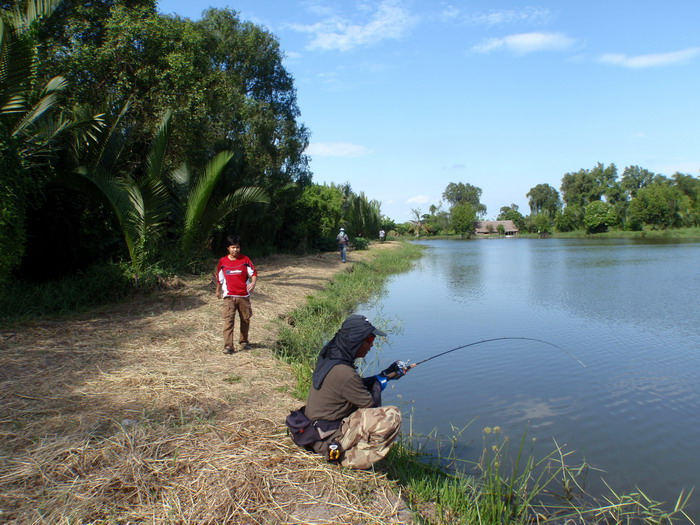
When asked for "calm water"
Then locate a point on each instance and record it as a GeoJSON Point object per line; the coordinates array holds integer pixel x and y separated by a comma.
{"type": "Point", "coordinates": [627, 309]}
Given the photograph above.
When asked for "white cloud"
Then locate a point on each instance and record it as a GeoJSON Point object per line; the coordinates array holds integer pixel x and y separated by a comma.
{"type": "Point", "coordinates": [388, 22]}
{"type": "Point", "coordinates": [336, 149]}
{"type": "Point", "coordinates": [524, 43]}
{"type": "Point", "coordinates": [495, 17]}
{"type": "Point", "coordinates": [653, 60]}
{"type": "Point", "coordinates": [418, 199]}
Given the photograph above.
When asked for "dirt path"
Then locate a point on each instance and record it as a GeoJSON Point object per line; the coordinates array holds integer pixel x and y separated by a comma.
{"type": "Point", "coordinates": [133, 414]}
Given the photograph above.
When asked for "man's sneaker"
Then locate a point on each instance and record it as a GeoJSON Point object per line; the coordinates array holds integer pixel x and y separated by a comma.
{"type": "Point", "coordinates": [244, 346]}
{"type": "Point", "coordinates": [228, 350]}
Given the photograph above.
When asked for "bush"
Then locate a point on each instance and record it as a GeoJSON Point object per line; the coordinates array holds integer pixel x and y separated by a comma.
{"type": "Point", "coordinates": [360, 243]}
{"type": "Point", "coordinates": [98, 284]}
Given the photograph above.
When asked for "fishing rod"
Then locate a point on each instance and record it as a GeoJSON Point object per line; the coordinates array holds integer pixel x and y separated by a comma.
{"type": "Point", "coordinates": [406, 367]}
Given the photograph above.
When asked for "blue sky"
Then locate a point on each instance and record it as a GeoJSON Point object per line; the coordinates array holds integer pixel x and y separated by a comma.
{"type": "Point", "coordinates": [403, 97]}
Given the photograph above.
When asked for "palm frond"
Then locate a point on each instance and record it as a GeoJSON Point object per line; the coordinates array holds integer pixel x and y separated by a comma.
{"type": "Point", "coordinates": [35, 113]}
{"type": "Point", "coordinates": [199, 195]}
{"type": "Point", "coordinates": [214, 213]}
{"type": "Point", "coordinates": [116, 194]}
{"type": "Point", "coordinates": [156, 156]}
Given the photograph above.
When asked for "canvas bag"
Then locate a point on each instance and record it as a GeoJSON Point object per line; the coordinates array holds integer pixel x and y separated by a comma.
{"type": "Point", "coordinates": [301, 428]}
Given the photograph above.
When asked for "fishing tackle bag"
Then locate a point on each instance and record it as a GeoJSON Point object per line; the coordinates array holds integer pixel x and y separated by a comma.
{"type": "Point", "coordinates": [302, 430]}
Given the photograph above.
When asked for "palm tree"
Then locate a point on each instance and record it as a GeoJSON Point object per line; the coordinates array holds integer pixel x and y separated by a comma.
{"type": "Point", "coordinates": [27, 112]}
{"type": "Point", "coordinates": [142, 205]}
{"type": "Point", "coordinates": [30, 126]}
{"type": "Point", "coordinates": [203, 208]}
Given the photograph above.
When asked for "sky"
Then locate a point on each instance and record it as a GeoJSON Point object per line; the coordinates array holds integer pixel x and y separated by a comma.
{"type": "Point", "coordinates": [402, 97]}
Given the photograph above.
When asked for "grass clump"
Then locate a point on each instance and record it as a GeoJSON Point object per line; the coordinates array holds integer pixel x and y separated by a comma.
{"type": "Point", "coordinates": [514, 488]}
{"type": "Point", "coordinates": [96, 285]}
{"type": "Point", "coordinates": [310, 326]}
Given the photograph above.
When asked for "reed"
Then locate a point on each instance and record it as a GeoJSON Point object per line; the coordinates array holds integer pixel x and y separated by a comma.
{"type": "Point", "coordinates": [506, 486]}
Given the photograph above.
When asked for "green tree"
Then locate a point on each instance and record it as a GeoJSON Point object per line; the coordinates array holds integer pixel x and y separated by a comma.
{"type": "Point", "coordinates": [656, 205]}
{"type": "Point", "coordinates": [585, 186]}
{"type": "Point", "coordinates": [690, 187]}
{"type": "Point", "coordinates": [223, 77]}
{"type": "Point", "coordinates": [461, 193]}
{"type": "Point", "coordinates": [541, 224]}
{"type": "Point", "coordinates": [569, 219]}
{"type": "Point", "coordinates": [634, 178]}
{"type": "Point", "coordinates": [599, 216]}
{"type": "Point", "coordinates": [544, 199]}
{"type": "Point", "coordinates": [463, 218]}
{"type": "Point", "coordinates": [32, 125]}
{"type": "Point", "coordinates": [363, 216]}
{"type": "Point", "coordinates": [511, 213]}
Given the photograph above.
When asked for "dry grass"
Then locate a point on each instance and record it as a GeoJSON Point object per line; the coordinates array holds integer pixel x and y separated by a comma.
{"type": "Point", "coordinates": [132, 414]}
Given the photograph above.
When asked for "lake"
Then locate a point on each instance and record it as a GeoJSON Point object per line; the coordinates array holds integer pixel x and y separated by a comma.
{"type": "Point", "coordinates": [622, 390]}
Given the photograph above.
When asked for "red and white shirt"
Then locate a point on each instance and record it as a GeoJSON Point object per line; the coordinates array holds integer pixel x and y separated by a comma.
{"type": "Point", "coordinates": [234, 274]}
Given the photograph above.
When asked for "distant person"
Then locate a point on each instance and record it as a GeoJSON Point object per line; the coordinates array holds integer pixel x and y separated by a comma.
{"type": "Point", "coordinates": [236, 278]}
{"type": "Point", "coordinates": [382, 234]}
{"type": "Point", "coordinates": [343, 242]}
{"type": "Point", "coordinates": [348, 423]}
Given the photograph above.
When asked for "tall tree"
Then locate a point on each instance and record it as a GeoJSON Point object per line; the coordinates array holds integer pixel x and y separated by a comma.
{"type": "Point", "coordinates": [634, 178]}
{"type": "Point", "coordinates": [656, 205]}
{"type": "Point", "coordinates": [462, 193]}
{"type": "Point", "coordinates": [585, 186]}
{"type": "Point", "coordinates": [543, 198]}
{"type": "Point", "coordinates": [463, 218]}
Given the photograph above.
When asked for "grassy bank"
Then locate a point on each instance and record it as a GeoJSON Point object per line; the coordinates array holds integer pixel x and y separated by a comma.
{"type": "Point", "coordinates": [505, 486]}
{"type": "Point", "coordinates": [310, 326]}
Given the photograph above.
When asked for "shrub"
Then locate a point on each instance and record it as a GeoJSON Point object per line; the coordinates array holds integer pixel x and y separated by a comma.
{"type": "Point", "coordinates": [360, 243]}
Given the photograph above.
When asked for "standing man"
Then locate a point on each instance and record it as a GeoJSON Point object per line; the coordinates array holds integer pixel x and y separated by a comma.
{"type": "Point", "coordinates": [342, 244]}
{"type": "Point", "coordinates": [382, 234]}
{"type": "Point", "coordinates": [236, 278]}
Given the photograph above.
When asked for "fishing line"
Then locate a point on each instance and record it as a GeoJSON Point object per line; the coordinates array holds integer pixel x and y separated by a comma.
{"type": "Point", "coordinates": [501, 339]}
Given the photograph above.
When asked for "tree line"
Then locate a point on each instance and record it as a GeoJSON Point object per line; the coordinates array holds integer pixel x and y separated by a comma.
{"type": "Point", "coordinates": [129, 136]}
{"type": "Point", "coordinates": [592, 200]}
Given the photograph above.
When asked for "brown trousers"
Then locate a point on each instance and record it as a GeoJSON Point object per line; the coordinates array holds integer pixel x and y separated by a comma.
{"type": "Point", "coordinates": [245, 312]}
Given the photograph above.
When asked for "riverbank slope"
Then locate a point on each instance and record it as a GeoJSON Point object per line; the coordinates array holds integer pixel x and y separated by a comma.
{"type": "Point", "coordinates": [132, 413]}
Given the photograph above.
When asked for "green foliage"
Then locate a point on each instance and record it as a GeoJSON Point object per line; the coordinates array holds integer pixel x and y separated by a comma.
{"type": "Point", "coordinates": [313, 324]}
{"type": "Point", "coordinates": [634, 178]}
{"type": "Point", "coordinates": [360, 243]}
{"type": "Point", "coordinates": [657, 206]}
{"type": "Point", "coordinates": [598, 216]}
{"type": "Point", "coordinates": [569, 219]}
{"type": "Point", "coordinates": [464, 193]}
{"type": "Point", "coordinates": [12, 233]}
{"type": "Point", "coordinates": [463, 218]}
{"type": "Point", "coordinates": [223, 79]}
{"type": "Point", "coordinates": [93, 286]}
{"type": "Point", "coordinates": [31, 125]}
{"type": "Point", "coordinates": [361, 216]}
{"type": "Point", "coordinates": [511, 213]}
{"type": "Point", "coordinates": [544, 199]}
{"type": "Point", "coordinates": [315, 218]}
{"type": "Point", "coordinates": [541, 224]}
{"type": "Point", "coordinates": [585, 186]}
